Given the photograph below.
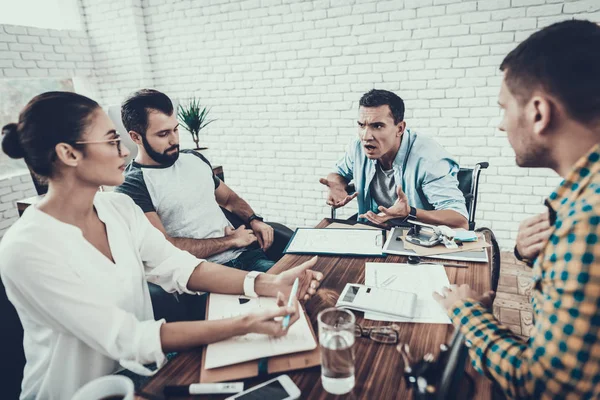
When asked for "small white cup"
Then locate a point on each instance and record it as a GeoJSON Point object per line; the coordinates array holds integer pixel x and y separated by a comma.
{"type": "Point", "coordinates": [111, 385]}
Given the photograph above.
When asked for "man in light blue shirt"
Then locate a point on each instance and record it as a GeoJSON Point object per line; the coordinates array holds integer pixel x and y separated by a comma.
{"type": "Point", "coordinates": [398, 173]}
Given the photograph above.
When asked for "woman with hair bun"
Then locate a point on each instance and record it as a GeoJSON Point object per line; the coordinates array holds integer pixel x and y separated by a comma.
{"type": "Point", "coordinates": [75, 264]}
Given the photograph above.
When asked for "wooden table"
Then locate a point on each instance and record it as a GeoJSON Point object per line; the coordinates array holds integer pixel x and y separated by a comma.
{"type": "Point", "coordinates": [378, 366]}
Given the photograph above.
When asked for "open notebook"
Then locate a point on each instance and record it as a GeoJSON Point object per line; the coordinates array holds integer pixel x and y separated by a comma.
{"type": "Point", "coordinates": [253, 345]}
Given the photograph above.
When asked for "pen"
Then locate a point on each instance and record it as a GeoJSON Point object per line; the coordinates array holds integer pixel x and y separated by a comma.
{"type": "Point", "coordinates": [204, 388]}
{"type": "Point", "coordinates": [293, 294]}
{"type": "Point", "coordinates": [455, 265]}
{"type": "Point", "coordinates": [389, 280]}
{"type": "Point", "coordinates": [443, 264]}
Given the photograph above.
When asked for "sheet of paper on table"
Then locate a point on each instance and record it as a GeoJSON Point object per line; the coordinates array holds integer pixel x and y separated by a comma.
{"type": "Point", "coordinates": [253, 345]}
{"type": "Point", "coordinates": [420, 279]}
{"type": "Point", "coordinates": [362, 242]}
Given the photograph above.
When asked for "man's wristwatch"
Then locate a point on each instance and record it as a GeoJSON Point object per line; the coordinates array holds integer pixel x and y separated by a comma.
{"type": "Point", "coordinates": [412, 214]}
{"type": "Point", "coordinates": [249, 283]}
{"type": "Point", "coordinates": [255, 216]}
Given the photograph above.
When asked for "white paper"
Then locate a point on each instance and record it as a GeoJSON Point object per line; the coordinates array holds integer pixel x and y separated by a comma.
{"type": "Point", "coordinates": [337, 241]}
{"type": "Point", "coordinates": [253, 345]}
{"type": "Point", "coordinates": [420, 279]}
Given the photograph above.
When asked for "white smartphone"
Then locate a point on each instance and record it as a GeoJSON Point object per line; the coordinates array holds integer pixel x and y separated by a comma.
{"type": "Point", "coordinates": [280, 388]}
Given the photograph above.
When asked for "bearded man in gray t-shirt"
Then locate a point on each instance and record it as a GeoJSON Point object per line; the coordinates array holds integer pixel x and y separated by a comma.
{"type": "Point", "coordinates": [179, 193]}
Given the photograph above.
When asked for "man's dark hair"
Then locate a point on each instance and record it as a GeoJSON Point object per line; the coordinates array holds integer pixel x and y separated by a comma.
{"type": "Point", "coordinates": [562, 59]}
{"type": "Point", "coordinates": [378, 97]}
{"type": "Point", "coordinates": [135, 109]}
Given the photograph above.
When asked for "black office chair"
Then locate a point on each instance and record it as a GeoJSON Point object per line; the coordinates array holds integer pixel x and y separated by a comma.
{"type": "Point", "coordinates": [443, 378]}
{"type": "Point", "coordinates": [13, 355]}
{"type": "Point", "coordinates": [495, 261]}
{"type": "Point", "coordinates": [468, 183]}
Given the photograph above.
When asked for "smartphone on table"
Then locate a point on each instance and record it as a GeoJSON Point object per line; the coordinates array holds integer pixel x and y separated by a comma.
{"type": "Point", "coordinates": [280, 388]}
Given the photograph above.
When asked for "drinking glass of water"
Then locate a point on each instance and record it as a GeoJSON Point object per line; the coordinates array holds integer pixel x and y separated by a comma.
{"type": "Point", "coordinates": [336, 341]}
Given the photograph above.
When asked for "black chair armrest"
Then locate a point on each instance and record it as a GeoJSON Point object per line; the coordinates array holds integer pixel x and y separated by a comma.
{"type": "Point", "coordinates": [495, 262]}
{"type": "Point", "coordinates": [281, 236]}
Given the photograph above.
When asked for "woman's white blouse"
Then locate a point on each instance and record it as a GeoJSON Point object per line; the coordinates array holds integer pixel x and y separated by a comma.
{"type": "Point", "coordinates": [83, 314]}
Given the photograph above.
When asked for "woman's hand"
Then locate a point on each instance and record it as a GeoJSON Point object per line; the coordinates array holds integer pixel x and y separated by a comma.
{"type": "Point", "coordinates": [309, 280]}
{"type": "Point", "coordinates": [271, 322]}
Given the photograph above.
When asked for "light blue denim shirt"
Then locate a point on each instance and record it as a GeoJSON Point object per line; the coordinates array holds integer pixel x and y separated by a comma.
{"type": "Point", "coordinates": [426, 170]}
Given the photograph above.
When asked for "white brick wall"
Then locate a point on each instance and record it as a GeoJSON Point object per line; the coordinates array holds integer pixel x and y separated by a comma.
{"type": "Point", "coordinates": [117, 37]}
{"type": "Point", "coordinates": [284, 78]}
{"type": "Point", "coordinates": [37, 53]}
{"type": "Point", "coordinates": [11, 190]}
{"type": "Point", "coordinates": [33, 52]}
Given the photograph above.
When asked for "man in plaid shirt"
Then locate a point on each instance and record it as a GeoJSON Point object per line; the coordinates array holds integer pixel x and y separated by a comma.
{"type": "Point", "coordinates": [550, 96]}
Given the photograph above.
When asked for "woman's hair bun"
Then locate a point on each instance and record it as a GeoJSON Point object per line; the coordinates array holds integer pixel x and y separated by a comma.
{"type": "Point", "coordinates": [11, 144]}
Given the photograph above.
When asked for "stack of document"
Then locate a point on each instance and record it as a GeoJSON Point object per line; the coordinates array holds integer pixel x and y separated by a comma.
{"type": "Point", "coordinates": [469, 251]}
{"type": "Point", "coordinates": [420, 279]}
{"type": "Point", "coordinates": [253, 345]}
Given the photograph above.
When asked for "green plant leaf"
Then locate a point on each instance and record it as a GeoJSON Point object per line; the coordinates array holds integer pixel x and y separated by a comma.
{"type": "Point", "coordinates": [193, 117]}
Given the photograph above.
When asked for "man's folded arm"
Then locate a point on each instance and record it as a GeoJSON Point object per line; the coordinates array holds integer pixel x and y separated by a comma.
{"type": "Point", "coordinates": [201, 248]}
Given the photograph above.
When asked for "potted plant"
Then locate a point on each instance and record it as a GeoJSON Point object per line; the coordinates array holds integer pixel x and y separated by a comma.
{"type": "Point", "coordinates": [193, 117]}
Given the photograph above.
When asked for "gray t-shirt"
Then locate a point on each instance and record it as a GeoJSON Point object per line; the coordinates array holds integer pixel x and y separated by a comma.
{"type": "Point", "coordinates": [183, 196]}
{"type": "Point", "coordinates": [383, 187]}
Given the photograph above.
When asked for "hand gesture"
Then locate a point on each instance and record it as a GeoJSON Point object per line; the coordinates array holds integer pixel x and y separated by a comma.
{"type": "Point", "coordinates": [309, 280]}
{"type": "Point", "coordinates": [241, 236]}
{"type": "Point", "coordinates": [400, 209]}
{"type": "Point", "coordinates": [533, 235]}
{"type": "Point", "coordinates": [337, 196]}
{"type": "Point", "coordinates": [263, 232]}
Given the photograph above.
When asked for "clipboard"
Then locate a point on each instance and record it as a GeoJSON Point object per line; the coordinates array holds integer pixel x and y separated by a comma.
{"type": "Point", "coordinates": [265, 366]}
{"type": "Point", "coordinates": [376, 236]}
{"type": "Point", "coordinates": [441, 250]}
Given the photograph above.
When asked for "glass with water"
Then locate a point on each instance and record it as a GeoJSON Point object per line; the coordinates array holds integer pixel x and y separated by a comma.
{"type": "Point", "coordinates": [336, 341]}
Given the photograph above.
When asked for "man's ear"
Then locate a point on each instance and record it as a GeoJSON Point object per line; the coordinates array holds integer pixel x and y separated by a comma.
{"type": "Point", "coordinates": [540, 114]}
{"type": "Point", "coordinates": [136, 137]}
{"type": "Point", "coordinates": [401, 127]}
{"type": "Point", "coordinates": [66, 154]}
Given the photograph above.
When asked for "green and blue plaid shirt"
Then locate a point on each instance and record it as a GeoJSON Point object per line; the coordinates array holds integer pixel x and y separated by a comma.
{"type": "Point", "coordinates": [562, 357]}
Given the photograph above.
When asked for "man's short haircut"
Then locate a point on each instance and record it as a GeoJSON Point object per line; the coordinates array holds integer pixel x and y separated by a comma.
{"type": "Point", "coordinates": [562, 59]}
{"type": "Point", "coordinates": [135, 109]}
{"type": "Point", "coordinates": [378, 97]}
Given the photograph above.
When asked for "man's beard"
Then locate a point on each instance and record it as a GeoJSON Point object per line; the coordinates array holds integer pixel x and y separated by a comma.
{"type": "Point", "coordinates": [533, 153]}
{"type": "Point", "coordinates": [161, 158]}
{"type": "Point", "coordinates": [535, 157]}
